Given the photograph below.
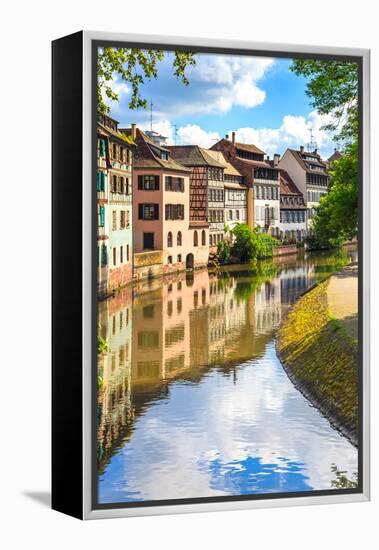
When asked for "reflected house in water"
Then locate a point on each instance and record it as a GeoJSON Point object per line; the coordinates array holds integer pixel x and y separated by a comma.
{"type": "Point", "coordinates": [114, 206]}
{"type": "Point", "coordinates": [115, 410]}
{"type": "Point", "coordinates": [294, 281]}
{"type": "Point", "coordinates": [268, 306]}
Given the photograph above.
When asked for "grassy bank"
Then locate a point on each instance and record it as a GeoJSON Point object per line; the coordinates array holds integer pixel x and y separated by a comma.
{"type": "Point", "coordinates": [321, 359]}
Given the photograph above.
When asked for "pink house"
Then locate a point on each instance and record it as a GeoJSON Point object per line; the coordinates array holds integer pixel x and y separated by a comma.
{"type": "Point", "coordinates": [164, 240]}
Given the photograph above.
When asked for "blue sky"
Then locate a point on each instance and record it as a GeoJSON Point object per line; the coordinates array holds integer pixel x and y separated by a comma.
{"type": "Point", "coordinates": [259, 98]}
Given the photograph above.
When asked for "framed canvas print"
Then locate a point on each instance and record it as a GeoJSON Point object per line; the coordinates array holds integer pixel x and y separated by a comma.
{"type": "Point", "coordinates": [210, 275]}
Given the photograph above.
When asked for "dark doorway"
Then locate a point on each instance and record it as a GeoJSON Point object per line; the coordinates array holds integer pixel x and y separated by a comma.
{"type": "Point", "coordinates": [148, 241]}
{"type": "Point", "coordinates": [189, 261]}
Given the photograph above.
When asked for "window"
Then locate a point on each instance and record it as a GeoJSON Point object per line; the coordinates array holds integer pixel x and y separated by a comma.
{"type": "Point", "coordinates": [121, 184]}
{"type": "Point", "coordinates": [174, 211]}
{"type": "Point", "coordinates": [121, 254]}
{"type": "Point", "coordinates": [148, 211]}
{"type": "Point", "coordinates": [237, 214]}
{"type": "Point", "coordinates": [114, 150]}
{"type": "Point", "coordinates": [114, 220]}
{"type": "Point", "coordinates": [126, 186]}
{"type": "Point", "coordinates": [148, 183]}
{"type": "Point", "coordinates": [195, 238]}
{"type": "Point", "coordinates": [114, 256]}
{"type": "Point", "coordinates": [102, 216]}
{"type": "Point", "coordinates": [122, 219]}
{"type": "Point", "coordinates": [101, 177]}
{"type": "Point", "coordinates": [114, 184]}
{"type": "Point", "coordinates": [179, 239]}
{"type": "Point", "coordinates": [230, 214]}
{"type": "Point", "coordinates": [102, 147]}
{"type": "Point", "coordinates": [169, 260]}
{"type": "Point", "coordinates": [104, 255]}
{"type": "Point", "coordinates": [169, 239]}
{"type": "Point", "coordinates": [127, 252]}
{"type": "Point", "coordinates": [121, 153]}
{"type": "Point", "coordinates": [148, 241]}
{"type": "Point", "coordinates": [203, 237]}
{"type": "Point", "coordinates": [179, 258]}
{"type": "Point", "coordinates": [174, 183]}
{"type": "Point", "coordinates": [127, 218]}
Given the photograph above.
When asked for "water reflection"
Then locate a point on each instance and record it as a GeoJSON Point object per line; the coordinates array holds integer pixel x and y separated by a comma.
{"type": "Point", "coordinates": [194, 401]}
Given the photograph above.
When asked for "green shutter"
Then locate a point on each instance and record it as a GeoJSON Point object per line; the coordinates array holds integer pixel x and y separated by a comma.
{"type": "Point", "coordinates": [102, 148]}
{"type": "Point", "coordinates": [102, 215]}
{"type": "Point", "coordinates": [99, 181]}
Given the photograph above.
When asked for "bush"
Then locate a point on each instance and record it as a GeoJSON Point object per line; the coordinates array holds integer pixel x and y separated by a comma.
{"type": "Point", "coordinates": [224, 250]}
{"type": "Point", "coordinates": [251, 244]}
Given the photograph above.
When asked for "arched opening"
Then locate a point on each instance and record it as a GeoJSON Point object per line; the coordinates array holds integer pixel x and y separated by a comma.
{"type": "Point", "coordinates": [179, 239]}
{"type": "Point", "coordinates": [189, 261]}
{"type": "Point", "coordinates": [203, 237]}
{"type": "Point", "coordinates": [169, 239]}
{"type": "Point", "coordinates": [195, 238]}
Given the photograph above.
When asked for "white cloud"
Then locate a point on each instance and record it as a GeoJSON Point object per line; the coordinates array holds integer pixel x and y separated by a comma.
{"type": "Point", "coordinates": [194, 135]}
{"type": "Point", "coordinates": [293, 132]}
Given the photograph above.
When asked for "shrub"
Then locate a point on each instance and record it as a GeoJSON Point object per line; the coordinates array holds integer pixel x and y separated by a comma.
{"type": "Point", "coordinates": [251, 244]}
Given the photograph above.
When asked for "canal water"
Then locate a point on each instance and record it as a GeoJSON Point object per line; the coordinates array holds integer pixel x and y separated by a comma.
{"type": "Point", "coordinates": [193, 401]}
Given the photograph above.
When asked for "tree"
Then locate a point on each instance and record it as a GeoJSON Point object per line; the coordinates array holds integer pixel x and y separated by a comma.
{"type": "Point", "coordinates": [333, 87]}
{"type": "Point", "coordinates": [251, 244]}
{"type": "Point", "coordinates": [336, 218]}
{"type": "Point", "coordinates": [134, 65]}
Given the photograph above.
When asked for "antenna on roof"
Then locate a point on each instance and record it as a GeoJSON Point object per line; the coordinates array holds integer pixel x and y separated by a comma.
{"type": "Point", "coordinates": [151, 116]}
{"type": "Point", "coordinates": [175, 133]}
{"type": "Point", "coordinates": [312, 145]}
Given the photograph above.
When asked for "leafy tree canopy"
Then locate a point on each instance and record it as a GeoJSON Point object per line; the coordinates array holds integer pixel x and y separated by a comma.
{"type": "Point", "coordinates": [134, 66]}
{"type": "Point", "coordinates": [333, 89]}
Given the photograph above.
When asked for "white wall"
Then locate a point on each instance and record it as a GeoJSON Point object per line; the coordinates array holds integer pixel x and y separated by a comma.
{"type": "Point", "coordinates": [27, 30]}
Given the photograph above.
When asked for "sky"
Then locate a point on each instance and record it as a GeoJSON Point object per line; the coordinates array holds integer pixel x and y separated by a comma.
{"type": "Point", "coordinates": [257, 97]}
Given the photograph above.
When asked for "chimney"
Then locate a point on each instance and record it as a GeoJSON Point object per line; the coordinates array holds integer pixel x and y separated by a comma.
{"type": "Point", "coordinates": [233, 137]}
{"type": "Point", "coordinates": [134, 132]}
{"type": "Point", "coordinates": [301, 148]}
{"type": "Point", "coordinates": [276, 159]}
{"type": "Point", "coordinates": [267, 157]}
{"type": "Point", "coordinates": [226, 136]}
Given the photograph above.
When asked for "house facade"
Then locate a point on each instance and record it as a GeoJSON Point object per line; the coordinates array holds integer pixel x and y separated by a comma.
{"type": "Point", "coordinates": [309, 173]}
{"type": "Point", "coordinates": [164, 240]}
{"type": "Point", "coordinates": [114, 206]}
{"type": "Point", "coordinates": [235, 193]}
{"type": "Point", "coordinates": [293, 211]}
{"type": "Point", "coordinates": [207, 193]}
{"type": "Point", "coordinates": [261, 181]}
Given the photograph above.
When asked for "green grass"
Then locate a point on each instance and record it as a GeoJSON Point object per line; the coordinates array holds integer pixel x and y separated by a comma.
{"type": "Point", "coordinates": [320, 355]}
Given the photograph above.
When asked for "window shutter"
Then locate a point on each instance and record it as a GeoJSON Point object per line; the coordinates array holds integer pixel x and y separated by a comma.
{"type": "Point", "coordinates": [98, 181]}
{"type": "Point", "coordinates": [140, 211]}
{"type": "Point", "coordinates": [102, 216]}
{"type": "Point", "coordinates": [167, 211]}
{"type": "Point", "coordinates": [156, 211]}
{"type": "Point", "coordinates": [156, 183]}
{"type": "Point", "coordinates": [140, 182]}
{"type": "Point", "coordinates": [102, 182]}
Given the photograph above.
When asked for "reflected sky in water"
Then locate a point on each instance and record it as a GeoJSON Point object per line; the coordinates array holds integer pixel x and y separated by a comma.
{"type": "Point", "coordinates": [196, 403]}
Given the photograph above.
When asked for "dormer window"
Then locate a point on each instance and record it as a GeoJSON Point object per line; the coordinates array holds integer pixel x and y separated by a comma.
{"type": "Point", "coordinates": [164, 155]}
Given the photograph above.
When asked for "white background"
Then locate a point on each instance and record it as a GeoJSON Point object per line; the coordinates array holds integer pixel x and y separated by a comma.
{"type": "Point", "coordinates": [27, 29]}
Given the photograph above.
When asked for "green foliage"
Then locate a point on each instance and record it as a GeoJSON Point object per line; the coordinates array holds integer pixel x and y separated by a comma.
{"type": "Point", "coordinates": [102, 345]}
{"type": "Point", "coordinates": [336, 217]}
{"type": "Point", "coordinates": [224, 250]}
{"type": "Point", "coordinates": [100, 383]}
{"type": "Point", "coordinates": [251, 244]}
{"type": "Point", "coordinates": [333, 89]}
{"type": "Point", "coordinates": [133, 66]}
{"type": "Point", "coordinates": [341, 480]}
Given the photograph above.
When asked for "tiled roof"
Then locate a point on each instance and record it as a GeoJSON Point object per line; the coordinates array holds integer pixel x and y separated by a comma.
{"type": "Point", "coordinates": [287, 185]}
{"type": "Point", "coordinates": [335, 156]}
{"type": "Point", "coordinates": [305, 164]}
{"type": "Point", "coordinates": [193, 155]}
{"type": "Point", "coordinates": [145, 156]}
{"type": "Point", "coordinates": [249, 147]}
{"type": "Point", "coordinates": [121, 135]}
